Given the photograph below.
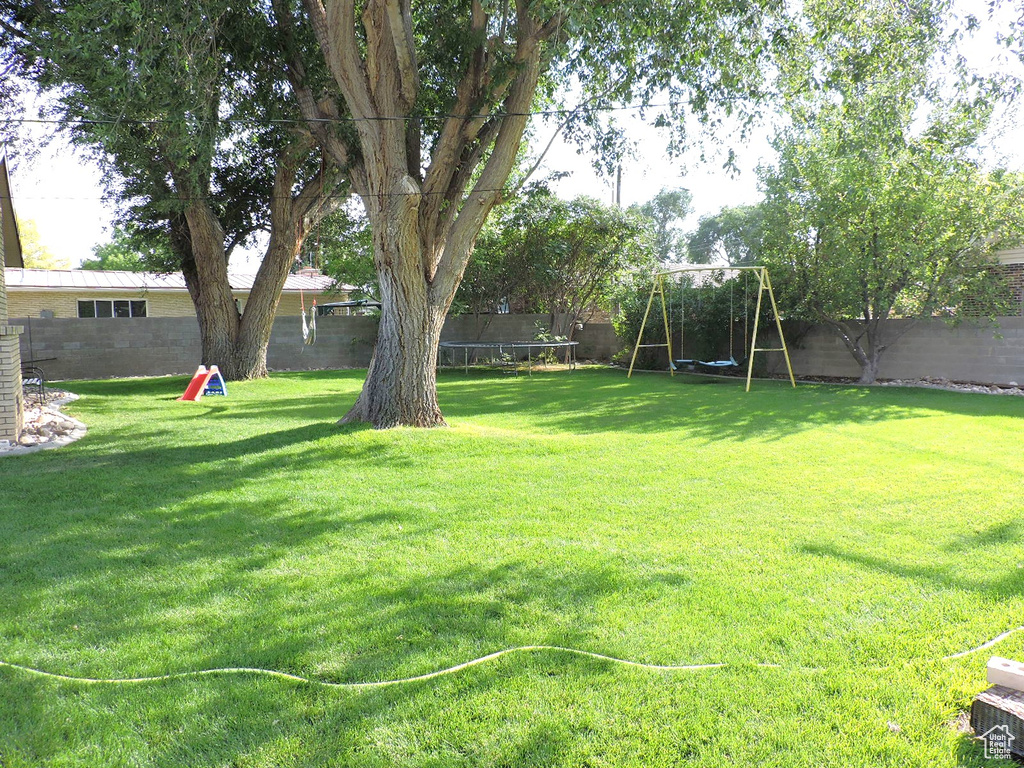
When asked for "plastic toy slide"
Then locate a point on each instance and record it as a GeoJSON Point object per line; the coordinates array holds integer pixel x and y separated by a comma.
{"type": "Point", "coordinates": [206, 381]}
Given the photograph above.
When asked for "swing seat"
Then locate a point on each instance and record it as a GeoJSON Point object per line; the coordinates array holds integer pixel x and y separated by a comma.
{"type": "Point", "coordinates": [684, 361]}
{"type": "Point", "coordinates": [731, 363]}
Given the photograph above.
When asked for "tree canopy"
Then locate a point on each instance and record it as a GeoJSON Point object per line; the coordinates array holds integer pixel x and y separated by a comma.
{"type": "Point", "coordinates": [132, 251]}
{"type": "Point", "coordinates": [562, 257]}
{"type": "Point", "coordinates": [35, 253]}
{"type": "Point", "coordinates": [730, 237]}
{"type": "Point", "coordinates": [182, 107]}
{"type": "Point", "coordinates": [666, 211]}
{"type": "Point", "coordinates": [878, 207]}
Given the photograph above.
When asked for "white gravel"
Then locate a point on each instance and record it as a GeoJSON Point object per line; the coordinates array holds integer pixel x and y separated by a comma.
{"type": "Point", "coordinates": [44, 425]}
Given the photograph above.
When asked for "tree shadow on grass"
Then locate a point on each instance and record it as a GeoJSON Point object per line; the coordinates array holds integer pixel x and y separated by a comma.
{"type": "Point", "coordinates": [944, 576]}
{"type": "Point", "coordinates": [595, 401]}
{"type": "Point", "coordinates": [601, 401]}
{"type": "Point", "coordinates": [416, 626]}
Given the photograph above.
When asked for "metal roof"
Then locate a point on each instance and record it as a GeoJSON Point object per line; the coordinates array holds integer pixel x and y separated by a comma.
{"type": "Point", "coordinates": [115, 280]}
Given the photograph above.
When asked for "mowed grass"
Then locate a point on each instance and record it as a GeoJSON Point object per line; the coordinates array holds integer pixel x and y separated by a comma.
{"type": "Point", "coordinates": [852, 536]}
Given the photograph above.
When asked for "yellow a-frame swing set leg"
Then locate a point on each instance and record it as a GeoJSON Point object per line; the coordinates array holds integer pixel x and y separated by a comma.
{"type": "Point", "coordinates": [764, 284]}
{"type": "Point", "coordinates": [659, 288]}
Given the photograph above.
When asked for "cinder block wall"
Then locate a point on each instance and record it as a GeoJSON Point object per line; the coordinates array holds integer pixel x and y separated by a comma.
{"type": "Point", "coordinates": [597, 341]}
{"type": "Point", "coordinates": [341, 342]}
{"type": "Point", "coordinates": [69, 348]}
{"type": "Point", "coordinates": [73, 348]}
{"type": "Point", "coordinates": [929, 349]}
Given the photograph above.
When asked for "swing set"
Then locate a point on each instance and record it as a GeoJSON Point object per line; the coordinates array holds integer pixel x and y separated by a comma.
{"type": "Point", "coordinates": [764, 286]}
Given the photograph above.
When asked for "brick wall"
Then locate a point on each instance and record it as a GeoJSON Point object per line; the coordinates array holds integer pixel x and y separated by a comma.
{"type": "Point", "coordinates": [1014, 274]}
{"type": "Point", "coordinates": [10, 367]}
{"type": "Point", "coordinates": [4, 314]}
{"type": "Point", "coordinates": [10, 384]}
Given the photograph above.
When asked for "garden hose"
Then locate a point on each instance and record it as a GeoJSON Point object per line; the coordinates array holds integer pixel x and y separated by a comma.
{"type": "Point", "coordinates": [476, 662]}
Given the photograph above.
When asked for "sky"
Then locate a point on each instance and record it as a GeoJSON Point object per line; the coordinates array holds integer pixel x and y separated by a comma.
{"type": "Point", "coordinates": [61, 190]}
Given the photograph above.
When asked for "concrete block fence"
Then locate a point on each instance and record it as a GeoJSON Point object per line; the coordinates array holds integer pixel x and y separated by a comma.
{"type": "Point", "coordinates": [96, 348]}
{"type": "Point", "coordinates": [73, 348]}
{"type": "Point", "coordinates": [926, 349]}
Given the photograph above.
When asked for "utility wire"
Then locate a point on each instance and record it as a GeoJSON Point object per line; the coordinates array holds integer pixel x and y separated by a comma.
{"type": "Point", "coordinates": [214, 198]}
{"type": "Point", "coordinates": [335, 120]}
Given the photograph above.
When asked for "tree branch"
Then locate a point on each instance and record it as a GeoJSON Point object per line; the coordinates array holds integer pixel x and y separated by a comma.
{"type": "Point", "coordinates": [400, 21]}
{"type": "Point", "coordinates": [315, 114]}
{"type": "Point", "coordinates": [334, 27]}
{"type": "Point", "coordinates": [459, 244]}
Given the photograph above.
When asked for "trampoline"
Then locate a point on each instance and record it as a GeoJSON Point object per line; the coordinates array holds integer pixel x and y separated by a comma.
{"type": "Point", "coordinates": [507, 351]}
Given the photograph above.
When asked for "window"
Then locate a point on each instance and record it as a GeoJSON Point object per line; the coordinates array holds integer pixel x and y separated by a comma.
{"type": "Point", "coordinates": [112, 308]}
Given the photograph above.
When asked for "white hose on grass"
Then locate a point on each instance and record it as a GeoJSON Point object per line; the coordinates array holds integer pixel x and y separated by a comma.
{"type": "Point", "coordinates": [466, 665]}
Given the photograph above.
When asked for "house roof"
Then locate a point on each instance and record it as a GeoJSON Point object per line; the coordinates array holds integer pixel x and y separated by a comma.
{"type": "Point", "coordinates": [116, 280]}
{"type": "Point", "coordinates": [11, 238]}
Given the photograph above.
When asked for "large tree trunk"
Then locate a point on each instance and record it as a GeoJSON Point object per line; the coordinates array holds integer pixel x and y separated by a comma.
{"type": "Point", "coordinates": [869, 364]}
{"type": "Point", "coordinates": [424, 221]}
{"type": "Point", "coordinates": [206, 275]}
{"type": "Point", "coordinates": [401, 383]}
{"type": "Point", "coordinates": [249, 354]}
{"type": "Point", "coordinates": [236, 342]}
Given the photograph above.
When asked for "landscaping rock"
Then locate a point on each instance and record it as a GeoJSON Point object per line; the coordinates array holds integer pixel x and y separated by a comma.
{"type": "Point", "coordinates": [44, 426]}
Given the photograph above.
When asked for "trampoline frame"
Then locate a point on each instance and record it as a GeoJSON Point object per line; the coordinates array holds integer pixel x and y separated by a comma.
{"type": "Point", "coordinates": [510, 347]}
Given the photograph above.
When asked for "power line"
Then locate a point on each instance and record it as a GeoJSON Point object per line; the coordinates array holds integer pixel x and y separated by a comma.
{"type": "Point", "coordinates": [334, 120]}
{"type": "Point", "coordinates": [214, 198]}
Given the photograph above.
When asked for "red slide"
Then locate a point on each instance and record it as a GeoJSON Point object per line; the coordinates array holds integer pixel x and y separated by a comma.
{"type": "Point", "coordinates": [197, 386]}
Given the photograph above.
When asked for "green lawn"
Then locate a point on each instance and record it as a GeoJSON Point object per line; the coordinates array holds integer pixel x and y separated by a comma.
{"type": "Point", "coordinates": [832, 531]}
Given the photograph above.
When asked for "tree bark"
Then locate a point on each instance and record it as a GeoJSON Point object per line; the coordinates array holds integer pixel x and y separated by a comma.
{"type": "Point", "coordinates": [869, 368]}
{"type": "Point", "coordinates": [866, 346]}
{"type": "Point", "coordinates": [424, 224]}
{"type": "Point", "coordinates": [236, 342]}
{"type": "Point", "coordinates": [401, 383]}
{"type": "Point", "coordinates": [207, 275]}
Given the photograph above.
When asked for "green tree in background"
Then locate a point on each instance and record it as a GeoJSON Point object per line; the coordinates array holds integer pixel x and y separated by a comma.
{"type": "Point", "coordinates": [666, 210]}
{"type": "Point", "coordinates": [545, 254]}
{"type": "Point", "coordinates": [132, 251]}
{"type": "Point", "coordinates": [878, 207]}
{"type": "Point", "coordinates": [35, 252]}
{"type": "Point", "coordinates": [341, 246]}
{"type": "Point", "coordinates": [730, 237]}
